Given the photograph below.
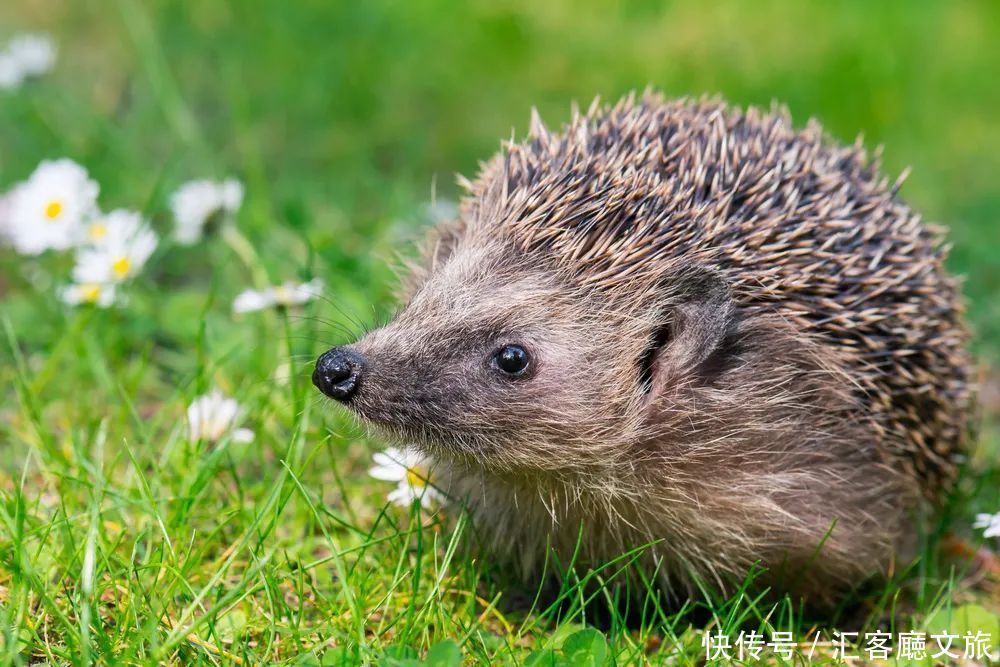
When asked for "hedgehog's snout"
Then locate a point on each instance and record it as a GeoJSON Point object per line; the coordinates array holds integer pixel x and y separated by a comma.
{"type": "Point", "coordinates": [338, 373]}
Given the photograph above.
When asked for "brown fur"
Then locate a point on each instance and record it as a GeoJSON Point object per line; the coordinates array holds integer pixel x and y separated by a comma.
{"type": "Point", "coordinates": [744, 349]}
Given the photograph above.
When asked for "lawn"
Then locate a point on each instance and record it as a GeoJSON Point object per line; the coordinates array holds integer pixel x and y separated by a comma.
{"type": "Point", "coordinates": [124, 540]}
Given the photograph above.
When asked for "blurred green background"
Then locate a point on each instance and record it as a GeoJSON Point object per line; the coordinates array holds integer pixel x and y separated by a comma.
{"type": "Point", "coordinates": [342, 116]}
{"type": "Point", "coordinates": [345, 120]}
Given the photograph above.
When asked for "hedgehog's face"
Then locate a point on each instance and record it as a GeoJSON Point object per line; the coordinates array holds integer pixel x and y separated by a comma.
{"type": "Point", "coordinates": [512, 366]}
{"type": "Point", "coordinates": [504, 363]}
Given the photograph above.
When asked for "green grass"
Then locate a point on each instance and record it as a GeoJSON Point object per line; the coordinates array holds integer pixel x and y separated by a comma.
{"type": "Point", "coordinates": [123, 542]}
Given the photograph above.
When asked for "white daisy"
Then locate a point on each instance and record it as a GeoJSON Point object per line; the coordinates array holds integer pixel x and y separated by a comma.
{"type": "Point", "coordinates": [284, 295]}
{"type": "Point", "coordinates": [214, 415]}
{"type": "Point", "coordinates": [411, 471]}
{"type": "Point", "coordinates": [119, 245]}
{"type": "Point", "coordinates": [25, 56]}
{"type": "Point", "coordinates": [118, 227]}
{"type": "Point", "coordinates": [47, 211]}
{"type": "Point", "coordinates": [34, 54]}
{"type": "Point", "coordinates": [196, 202]}
{"type": "Point", "coordinates": [94, 230]}
{"type": "Point", "coordinates": [102, 296]}
{"type": "Point", "coordinates": [990, 523]}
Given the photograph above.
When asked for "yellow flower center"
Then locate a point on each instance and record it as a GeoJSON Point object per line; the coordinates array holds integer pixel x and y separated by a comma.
{"type": "Point", "coordinates": [90, 293]}
{"type": "Point", "coordinates": [416, 478]}
{"type": "Point", "coordinates": [53, 209]}
{"type": "Point", "coordinates": [281, 295]}
{"type": "Point", "coordinates": [121, 267]}
{"type": "Point", "coordinates": [98, 231]}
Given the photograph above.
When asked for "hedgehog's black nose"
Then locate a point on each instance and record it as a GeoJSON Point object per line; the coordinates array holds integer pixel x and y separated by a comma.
{"type": "Point", "coordinates": [338, 372]}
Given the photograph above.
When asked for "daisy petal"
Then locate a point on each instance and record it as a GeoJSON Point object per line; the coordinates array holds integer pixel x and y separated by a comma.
{"type": "Point", "coordinates": [403, 495]}
{"type": "Point", "coordinates": [195, 203]}
{"type": "Point", "coordinates": [388, 473]}
{"type": "Point", "coordinates": [46, 212]}
{"type": "Point", "coordinates": [243, 435]}
{"type": "Point", "coordinates": [251, 300]}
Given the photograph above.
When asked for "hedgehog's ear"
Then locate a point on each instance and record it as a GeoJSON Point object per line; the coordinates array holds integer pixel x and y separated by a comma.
{"type": "Point", "coordinates": [694, 318]}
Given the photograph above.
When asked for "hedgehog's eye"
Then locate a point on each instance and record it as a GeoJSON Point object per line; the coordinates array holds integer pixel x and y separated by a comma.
{"type": "Point", "coordinates": [511, 360]}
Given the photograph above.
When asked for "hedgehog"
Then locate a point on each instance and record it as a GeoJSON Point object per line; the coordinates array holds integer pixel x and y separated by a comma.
{"type": "Point", "coordinates": [684, 331]}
